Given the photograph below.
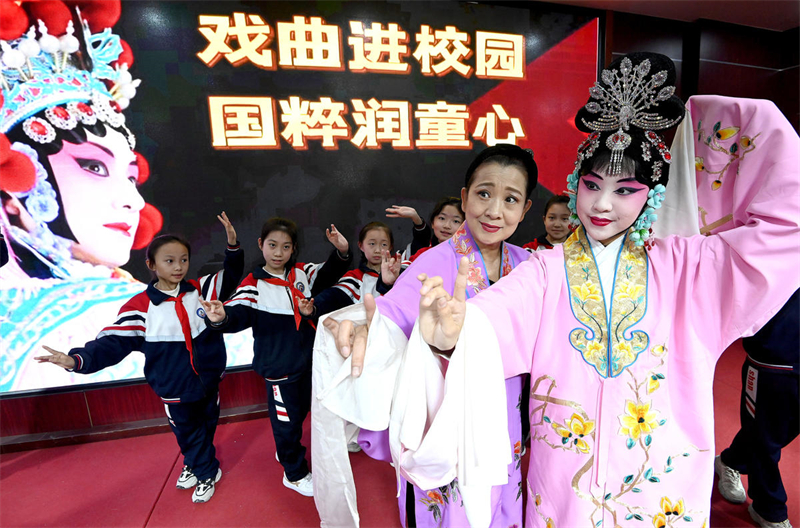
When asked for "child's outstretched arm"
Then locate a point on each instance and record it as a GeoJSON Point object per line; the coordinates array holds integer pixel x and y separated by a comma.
{"type": "Point", "coordinates": [112, 345]}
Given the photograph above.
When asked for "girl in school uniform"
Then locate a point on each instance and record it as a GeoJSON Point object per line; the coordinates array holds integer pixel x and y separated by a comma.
{"type": "Point", "coordinates": [275, 301]}
{"type": "Point", "coordinates": [184, 361]}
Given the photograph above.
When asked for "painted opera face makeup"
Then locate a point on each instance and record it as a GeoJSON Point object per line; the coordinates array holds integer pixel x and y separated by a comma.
{"type": "Point", "coordinates": [495, 203]}
{"type": "Point", "coordinates": [277, 249]}
{"type": "Point", "coordinates": [608, 205]}
{"type": "Point", "coordinates": [447, 222]}
{"type": "Point", "coordinates": [97, 184]}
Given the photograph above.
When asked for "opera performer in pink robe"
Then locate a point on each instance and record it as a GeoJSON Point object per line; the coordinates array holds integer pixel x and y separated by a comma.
{"type": "Point", "coordinates": [495, 198]}
{"type": "Point", "coordinates": [622, 339]}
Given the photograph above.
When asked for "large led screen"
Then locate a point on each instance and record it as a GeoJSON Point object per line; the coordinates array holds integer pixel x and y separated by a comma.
{"type": "Point", "coordinates": [324, 113]}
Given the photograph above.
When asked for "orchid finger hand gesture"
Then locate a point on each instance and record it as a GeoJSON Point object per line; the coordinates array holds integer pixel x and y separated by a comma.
{"type": "Point", "coordinates": [306, 307]}
{"type": "Point", "coordinates": [351, 338]}
{"type": "Point", "coordinates": [229, 230]}
{"type": "Point", "coordinates": [57, 358]}
{"type": "Point", "coordinates": [215, 311]}
{"type": "Point", "coordinates": [390, 267]}
{"type": "Point", "coordinates": [441, 316]}
{"type": "Point", "coordinates": [338, 240]}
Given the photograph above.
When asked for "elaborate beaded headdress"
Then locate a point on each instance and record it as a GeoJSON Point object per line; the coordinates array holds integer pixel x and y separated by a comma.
{"type": "Point", "coordinates": [71, 82]}
{"type": "Point", "coordinates": [50, 83]}
{"type": "Point", "coordinates": [632, 100]}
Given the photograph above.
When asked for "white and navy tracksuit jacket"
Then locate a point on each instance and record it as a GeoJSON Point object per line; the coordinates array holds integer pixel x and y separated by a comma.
{"type": "Point", "coordinates": [149, 323]}
{"type": "Point", "coordinates": [281, 349]}
{"type": "Point", "coordinates": [351, 289]}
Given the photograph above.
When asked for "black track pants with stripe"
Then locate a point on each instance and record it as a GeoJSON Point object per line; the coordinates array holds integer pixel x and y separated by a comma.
{"type": "Point", "coordinates": [194, 425]}
{"type": "Point", "coordinates": [769, 409]}
{"type": "Point", "coordinates": [289, 403]}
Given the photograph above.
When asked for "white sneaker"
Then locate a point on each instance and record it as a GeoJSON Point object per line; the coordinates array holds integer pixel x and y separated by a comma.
{"type": "Point", "coordinates": [353, 447]}
{"type": "Point", "coordinates": [304, 486]}
{"type": "Point", "coordinates": [730, 482]}
{"type": "Point", "coordinates": [187, 480]}
{"type": "Point", "coordinates": [205, 488]}
{"type": "Point", "coordinates": [765, 523]}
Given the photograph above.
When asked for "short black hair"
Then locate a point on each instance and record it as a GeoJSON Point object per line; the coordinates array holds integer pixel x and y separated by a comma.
{"type": "Point", "coordinates": [505, 156]}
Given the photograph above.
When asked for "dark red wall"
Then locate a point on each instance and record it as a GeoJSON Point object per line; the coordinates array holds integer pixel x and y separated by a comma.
{"type": "Point", "coordinates": [92, 408]}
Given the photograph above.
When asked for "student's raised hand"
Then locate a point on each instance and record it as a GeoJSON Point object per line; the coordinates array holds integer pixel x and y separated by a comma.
{"type": "Point", "coordinates": [215, 311]}
{"type": "Point", "coordinates": [441, 316]}
{"type": "Point", "coordinates": [351, 338]}
{"type": "Point", "coordinates": [403, 211]}
{"type": "Point", "coordinates": [58, 358]}
{"type": "Point", "coordinates": [306, 307]}
{"type": "Point", "coordinates": [338, 240]}
{"type": "Point", "coordinates": [229, 230]}
{"type": "Point", "coordinates": [390, 267]}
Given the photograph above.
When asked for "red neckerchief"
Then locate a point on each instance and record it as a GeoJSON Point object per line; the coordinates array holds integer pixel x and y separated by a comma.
{"type": "Point", "coordinates": [297, 295]}
{"type": "Point", "coordinates": [183, 317]}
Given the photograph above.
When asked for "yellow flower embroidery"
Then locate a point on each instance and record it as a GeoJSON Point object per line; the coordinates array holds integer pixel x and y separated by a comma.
{"type": "Point", "coordinates": [727, 133]}
{"type": "Point", "coordinates": [699, 164]}
{"type": "Point", "coordinates": [638, 419]}
{"type": "Point", "coordinates": [580, 259]}
{"type": "Point", "coordinates": [573, 430]}
{"type": "Point", "coordinates": [587, 291]}
{"type": "Point", "coordinates": [538, 499]}
{"type": "Point", "coordinates": [629, 290]}
{"type": "Point", "coordinates": [632, 257]}
{"type": "Point", "coordinates": [668, 508]}
{"type": "Point", "coordinates": [659, 350]}
{"type": "Point", "coordinates": [593, 350]}
{"type": "Point", "coordinates": [624, 351]}
{"type": "Point", "coordinates": [652, 383]}
{"type": "Point", "coordinates": [659, 520]}
{"type": "Point", "coordinates": [549, 523]}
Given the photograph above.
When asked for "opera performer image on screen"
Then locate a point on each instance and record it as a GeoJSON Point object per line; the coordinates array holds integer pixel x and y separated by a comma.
{"type": "Point", "coordinates": [71, 209]}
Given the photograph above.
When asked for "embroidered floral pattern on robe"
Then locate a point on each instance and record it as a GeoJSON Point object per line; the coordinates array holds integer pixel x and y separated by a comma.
{"type": "Point", "coordinates": [477, 279]}
{"type": "Point", "coordinates": [603, 342]}
{"type": "Point", "coordinates": [639, 424]}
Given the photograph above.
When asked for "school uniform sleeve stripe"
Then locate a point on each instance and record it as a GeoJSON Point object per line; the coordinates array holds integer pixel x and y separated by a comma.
{"type": "Point", "coordinates": [243, 292]}
{"type": "Point", "coordinates": [124, 331]}
{"type": "Point", "coordinates": [128, 317]}
{"type": "Point", "coordinates": [243, 301]}
{"type": "Point", "coordinates": [349, 291]}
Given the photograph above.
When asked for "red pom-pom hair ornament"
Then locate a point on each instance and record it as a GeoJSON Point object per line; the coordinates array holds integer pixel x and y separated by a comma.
{"type": "Point", "coordinates": [17, 173]}
{"type": "Point", "coordinates": [150, 223]}
{"type": "Point", "coordinates": [100, 14]}
{"type": "Point", "coordinates": [13, 20]}
{"type": "Point", "coordinates": [54, 13]}
{"type": "Point", "coordinates": [144, 168]}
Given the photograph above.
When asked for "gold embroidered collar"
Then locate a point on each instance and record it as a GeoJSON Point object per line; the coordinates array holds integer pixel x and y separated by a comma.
{"type": "Point", "coordinates": [602, 340]}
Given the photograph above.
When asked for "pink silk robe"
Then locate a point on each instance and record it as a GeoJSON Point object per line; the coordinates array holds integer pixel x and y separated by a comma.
{"type": "Point", "coordinates": [622, 419]}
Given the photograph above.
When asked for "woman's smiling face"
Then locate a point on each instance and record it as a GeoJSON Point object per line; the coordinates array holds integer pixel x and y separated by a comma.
{"type": "Point", "coordinates": [495, 203]}
{"type": "Point", "coordinates": [608, 205]}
